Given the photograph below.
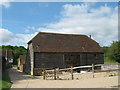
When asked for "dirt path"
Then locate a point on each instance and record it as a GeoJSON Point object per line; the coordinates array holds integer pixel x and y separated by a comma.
{"type": "Point", "coordinates": [21, 80]}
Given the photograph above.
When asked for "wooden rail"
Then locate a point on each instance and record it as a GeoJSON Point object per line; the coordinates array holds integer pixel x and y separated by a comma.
{"type": "Point", "coordinates": [56, 72]}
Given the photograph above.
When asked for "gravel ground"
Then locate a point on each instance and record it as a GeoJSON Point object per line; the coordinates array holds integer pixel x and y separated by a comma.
{"type": "Point", "coordinates": [21, 80]}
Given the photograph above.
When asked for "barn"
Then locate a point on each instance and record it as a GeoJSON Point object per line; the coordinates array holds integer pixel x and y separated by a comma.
{"type": "Point", "coordinates": [21, 63]}
{"type": "Point", "coordinates": [55, 50]}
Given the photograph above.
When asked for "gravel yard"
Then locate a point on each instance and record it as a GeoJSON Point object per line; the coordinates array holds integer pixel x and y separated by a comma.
{"type": "Point", "coordinates": [101, 80]}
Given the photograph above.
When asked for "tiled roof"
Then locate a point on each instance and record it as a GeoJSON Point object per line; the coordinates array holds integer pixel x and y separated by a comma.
{"type": "Point", "coordinates": [54, 42]}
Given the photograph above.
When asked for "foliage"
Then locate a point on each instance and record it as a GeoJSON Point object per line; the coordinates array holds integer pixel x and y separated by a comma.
{"type": "Point", "coordinates": [108, 61]}
{"type": "Point", "coordinates": [3, 63]}
{"type": "Point", "coordinates": [114, 51]}
{"type": "Point", "coordinates": [8, 65]}
{"type": "Point", "coordinates": [106, 50]}
{"type": "Point", "coordinates": [17, 50]}
{"type": "Point", "coordinates": [6, 84]}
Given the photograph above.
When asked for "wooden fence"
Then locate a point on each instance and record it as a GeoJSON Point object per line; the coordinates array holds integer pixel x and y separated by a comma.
{"type": "Point", "coordinates": [55, 73]}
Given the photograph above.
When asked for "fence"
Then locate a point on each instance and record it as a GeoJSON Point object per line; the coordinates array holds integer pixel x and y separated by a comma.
{"type": "Point", "coordinates": [77, 72]}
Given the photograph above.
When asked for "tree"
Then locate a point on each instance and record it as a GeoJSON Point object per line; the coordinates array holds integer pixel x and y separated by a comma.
{"type": "Point", "coordinates": [114, 51]}
{"type": "Point", "coordinates": [17, 50]}
{"type": "Point", "coordinates": [105, 50]}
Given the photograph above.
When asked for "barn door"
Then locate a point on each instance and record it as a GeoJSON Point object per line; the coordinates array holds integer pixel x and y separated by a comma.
{"type": "Point", "coordinates": [71, 60]}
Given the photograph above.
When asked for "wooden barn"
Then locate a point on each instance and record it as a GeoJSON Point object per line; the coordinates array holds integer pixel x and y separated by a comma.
{"type": "Point", "coordinates": [54, 50]}
{"type": "Point", "coordinates": [21, 63]}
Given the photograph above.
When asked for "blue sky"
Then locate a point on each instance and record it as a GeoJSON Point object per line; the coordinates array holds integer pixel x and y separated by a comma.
{"type": "Point", "coordinates": [21, 15]}
{"type": "Point", "coordinates": [22, 20]}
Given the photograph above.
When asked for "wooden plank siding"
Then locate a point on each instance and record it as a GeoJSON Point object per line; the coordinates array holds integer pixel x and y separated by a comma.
{"type": "Point", "coordinates": [55, 50]}
{"type": "Point", "coordinates": [57, 60]}
{"type": "Point", "coordinates": [49, 60]}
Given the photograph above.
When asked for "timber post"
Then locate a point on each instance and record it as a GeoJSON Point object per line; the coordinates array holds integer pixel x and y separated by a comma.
{"type": "Point", "coordinates": [44, 72]}
{"type": "Point", "coordinates": [55, 74]}
{"type": "Point", "coordinates": [93, 70]}
{"type": "Point", "coordinates": [72, 73]}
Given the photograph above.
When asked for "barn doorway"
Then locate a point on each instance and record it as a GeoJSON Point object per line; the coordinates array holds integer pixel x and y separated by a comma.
{"type": "Point", "coordinates": [71, 60]}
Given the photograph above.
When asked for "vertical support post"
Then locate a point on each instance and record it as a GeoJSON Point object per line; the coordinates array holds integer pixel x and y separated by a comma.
{"type": "Point", "coordinates": [55, 74]}
{"type": "Point", "coordinates": [64, 64]}
{"type": "Point", "coordinates": [93, 70]}
{"type": "Point", "coordinates": [44, 74]}
{"type": "Point", "coordinates": [72, 73]}
{"type": "Point", "coordinates": [6, 55]}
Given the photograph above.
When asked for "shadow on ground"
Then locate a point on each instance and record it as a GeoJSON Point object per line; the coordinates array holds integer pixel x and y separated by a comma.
{"type": "Point", "coordinates": [16, 75]}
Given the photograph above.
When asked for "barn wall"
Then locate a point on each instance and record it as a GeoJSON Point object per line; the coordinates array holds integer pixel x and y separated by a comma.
{"type": "Point", "coordinates": [55, 60]}
{"type": "Point", "coordinates": [52, 60]}
{"type": "Point", "coordinates": [27, 63]}
{"type": "Point", "coordinates": [91, 58]}
{"type": "Point", "coordinates": [100, 59]}
{"type": "Point", "coordinates": [83, 60]}
{"type": "Point", "coordinates": [49, 60]}
{"type": "Point", "coordinates": [29, 60]}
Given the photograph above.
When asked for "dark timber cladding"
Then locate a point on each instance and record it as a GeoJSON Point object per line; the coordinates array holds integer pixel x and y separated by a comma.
{"type": "Point", "coordinates": [53, 50]}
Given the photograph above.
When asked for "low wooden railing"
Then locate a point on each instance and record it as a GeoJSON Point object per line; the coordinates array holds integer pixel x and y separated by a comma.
{"type": "Point", "coordinates": [55, 73]}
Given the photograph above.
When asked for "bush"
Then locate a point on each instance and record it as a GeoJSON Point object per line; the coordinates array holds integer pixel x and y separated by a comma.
{"type": "Point", "coordinates": [114, 51]}
{"type": "Point", "coordinates": [8, 65]}
{"type": "Point", "coordinates": [6, 84]}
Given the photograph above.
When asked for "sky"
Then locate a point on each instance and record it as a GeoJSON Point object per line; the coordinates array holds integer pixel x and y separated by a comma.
{"type": "Point", "coordinates": [21, 21]}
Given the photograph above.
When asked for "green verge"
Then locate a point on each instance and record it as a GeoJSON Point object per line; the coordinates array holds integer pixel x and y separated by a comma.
{"type": "Point", "coordinates": [108, 61]}
{"type": "Point", "coordinates": [6, 84]}
{"type": "Point", "coordinates": [0, 80]}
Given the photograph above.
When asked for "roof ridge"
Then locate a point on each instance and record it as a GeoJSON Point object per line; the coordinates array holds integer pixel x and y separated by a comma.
{"type": "Point", "coordinates": [57, 34]}
{"type": "Point", "coordinates": [74, 34]}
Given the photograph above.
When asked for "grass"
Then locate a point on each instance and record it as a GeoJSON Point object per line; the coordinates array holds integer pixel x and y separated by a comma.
{"type": "Point", "coordinates": [6, 84]}
{"type": "Point", "coordinates": [108, 61]}
{"type": "Point", "coordinates": [0, 81]}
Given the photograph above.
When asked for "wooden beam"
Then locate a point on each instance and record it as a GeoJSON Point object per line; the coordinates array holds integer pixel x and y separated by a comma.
{"type": "Point", "coordinates": [72, 73]}
{"type": "Point", "coordinates": [55, 74]}
{"type": "Point", "coordinates": [93, 70]}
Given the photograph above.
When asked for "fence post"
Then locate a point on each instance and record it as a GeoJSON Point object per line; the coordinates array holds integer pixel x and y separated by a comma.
{"type": "Point", "coordinates": [44, 74]}
{"type": "Point", "coordinates": [72, 72]}
{"type": "Point", "coordinates": [55, 74]}
{"type": "Point", "coordinates": [93, 70]}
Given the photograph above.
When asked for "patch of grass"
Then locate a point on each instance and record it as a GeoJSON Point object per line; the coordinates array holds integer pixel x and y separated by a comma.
{"type": "Point", "coordinates": [108, 61]}
{"type": "Point", "coordinates": [0, 84]}
{"type": "Point", "coordinates": [6, 84]}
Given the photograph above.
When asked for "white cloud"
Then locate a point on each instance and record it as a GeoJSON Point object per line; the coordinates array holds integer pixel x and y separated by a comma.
{"type": "Point", "coordinates": [6, 3]}
{"type": "Point", "coordinates": [27, 30]}
{"type": "Point", "coordinates": [8, 38]}
{"type": "Point", "coordinates": [101, 23]}
{"type": "Point", "coordinates": [25, 38]}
